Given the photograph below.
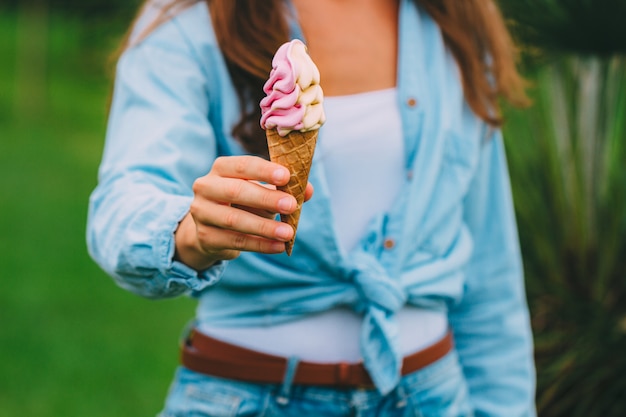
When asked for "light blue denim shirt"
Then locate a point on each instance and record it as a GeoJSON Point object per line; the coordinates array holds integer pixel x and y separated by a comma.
{"type": "Point", "coordinates": [448, 243]}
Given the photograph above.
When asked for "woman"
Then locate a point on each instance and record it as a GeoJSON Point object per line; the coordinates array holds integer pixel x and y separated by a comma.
{"type": "Point", "coordinates": [409, 243]}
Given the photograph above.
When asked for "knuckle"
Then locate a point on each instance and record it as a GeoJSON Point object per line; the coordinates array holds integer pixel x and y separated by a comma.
{"type": "Point", "coordinates": [231, 219]}
{"type": "Point", "coordinates": [241, 165]}
{"type": "Point", "coordinates": [268, 199]}
{"type": "Point", "coordinates": [233, 191]}
{"type": "Point", "coordinates": [219, 163]}
{"type": "Point", "coordinates": [194, 207]}
{"type": "Point", "coordinates": [197, 185]}
{"type": "Point", "coordinates": [205, 237]}
{"type": "Point", "coordinates": [239, 241]}
{"type": "Point", "coordinates": [268, 228]}
{"type": "Point", "coordinates": [205, 187]}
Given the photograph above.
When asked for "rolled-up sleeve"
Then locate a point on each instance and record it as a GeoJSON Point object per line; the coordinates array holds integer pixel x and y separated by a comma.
{"type": "Point", "coordinates": [491, 324]}
{"type": "Point", "coordinates": [159, 140]}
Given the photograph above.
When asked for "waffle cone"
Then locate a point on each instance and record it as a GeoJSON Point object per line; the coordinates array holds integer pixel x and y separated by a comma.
{"type": "Point", "coordinates": [295, 152]}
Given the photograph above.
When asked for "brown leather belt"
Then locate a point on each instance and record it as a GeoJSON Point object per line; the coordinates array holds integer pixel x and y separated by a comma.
{"type": "Point", "coordinates": [204, 354]}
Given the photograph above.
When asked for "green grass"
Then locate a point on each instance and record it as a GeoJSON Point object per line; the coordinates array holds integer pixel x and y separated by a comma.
{"type": "Point", "coordinates": [71, 342]}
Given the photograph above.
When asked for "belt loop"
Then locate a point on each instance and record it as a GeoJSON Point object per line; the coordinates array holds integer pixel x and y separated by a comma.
{"type": "Point", "coordinates": [290, 373]}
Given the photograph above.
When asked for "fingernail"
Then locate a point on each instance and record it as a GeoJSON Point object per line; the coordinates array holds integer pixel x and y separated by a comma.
{"type": "Point", "coordinates": [283, 231]}
{"type": "Point", "coordinates": [285, 204]}
{"type": "Point", "coordinates": [280, 175]}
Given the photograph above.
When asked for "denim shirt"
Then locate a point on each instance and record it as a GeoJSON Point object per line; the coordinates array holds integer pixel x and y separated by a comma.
{"type": "Point", "coordinates": [448, 243]}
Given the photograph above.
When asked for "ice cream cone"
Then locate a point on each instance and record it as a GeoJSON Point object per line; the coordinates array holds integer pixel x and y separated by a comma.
{"type": "Point", "coordinates": [293, 108]}
{"type": "Point", "coordinates": [295, 152]}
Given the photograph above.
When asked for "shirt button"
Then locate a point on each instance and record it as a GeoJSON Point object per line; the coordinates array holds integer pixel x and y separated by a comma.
{"type": "Point", "coordinates": [411, 102]}
{"type": "Point", "coordinates": [409, 175]}
{"type": "Point", "coordinates": [389, 244]}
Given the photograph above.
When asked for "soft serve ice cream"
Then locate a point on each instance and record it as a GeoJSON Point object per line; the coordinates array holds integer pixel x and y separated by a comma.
{"type": "Point", "coordinates": [291, 115]}
{"type": "Point", "coordinates": [294, 95]}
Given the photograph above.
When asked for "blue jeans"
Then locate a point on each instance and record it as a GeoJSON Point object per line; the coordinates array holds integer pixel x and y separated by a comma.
{"type": "Point", "coordinates": [439, 390]}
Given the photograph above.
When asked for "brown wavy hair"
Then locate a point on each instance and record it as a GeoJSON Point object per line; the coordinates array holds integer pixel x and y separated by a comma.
{"type": "Point", "coordinates": [250, 31]}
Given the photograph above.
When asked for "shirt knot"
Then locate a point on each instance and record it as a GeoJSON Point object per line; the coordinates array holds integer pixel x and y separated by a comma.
{"type": "Point", "coordinates": [374, 284]}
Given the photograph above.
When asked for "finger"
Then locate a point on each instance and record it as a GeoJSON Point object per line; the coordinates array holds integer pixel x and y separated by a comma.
{"type": "Point", "coordinates": [241, 221]}
{"type": "Point", "coordinates": [244, 193]}
{"type": "Point", "coordinates": [228, 243]}
{"type": "Point", "coordinates": [268, 214]}
{"type": "Point", "coordinates": [308, 192]}
{"type": "Point", "coordinates": [251, 168]}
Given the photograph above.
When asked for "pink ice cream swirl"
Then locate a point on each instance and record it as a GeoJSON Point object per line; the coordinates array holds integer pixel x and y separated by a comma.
{"type": "Point", "coordinates": [294, 96]}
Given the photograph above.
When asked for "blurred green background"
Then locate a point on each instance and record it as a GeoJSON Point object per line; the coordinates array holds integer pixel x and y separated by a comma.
{"type": "Point", "coordinates": [73, 344]}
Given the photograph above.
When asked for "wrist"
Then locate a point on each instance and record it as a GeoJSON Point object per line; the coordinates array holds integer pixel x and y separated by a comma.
{"type": "Point", "coordinates": [188, 250]}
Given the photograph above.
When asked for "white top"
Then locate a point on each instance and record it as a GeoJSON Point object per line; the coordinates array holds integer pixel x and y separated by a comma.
{"type": "Point", "coordinates": [362, 152]}
{"type": "Point", "coordinates": [332, 336]}
{"type": "Point", "coordinates": [361, 148]}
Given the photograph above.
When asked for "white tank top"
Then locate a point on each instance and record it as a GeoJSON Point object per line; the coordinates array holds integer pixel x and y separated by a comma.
{"type": "Point", "coordinates": [361, 148]}
{"type": "Point", "coordinates": [362, 151]}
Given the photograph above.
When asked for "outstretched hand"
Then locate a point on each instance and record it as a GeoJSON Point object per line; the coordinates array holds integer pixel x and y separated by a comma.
{"type": "Point", "coordinates": [234, 209]}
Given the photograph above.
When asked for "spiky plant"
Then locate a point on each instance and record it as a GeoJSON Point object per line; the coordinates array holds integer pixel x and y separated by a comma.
{"type": "Point", "coordinates": [567, 156]}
